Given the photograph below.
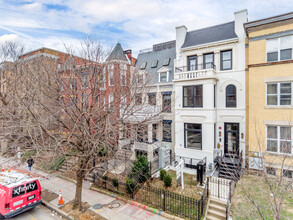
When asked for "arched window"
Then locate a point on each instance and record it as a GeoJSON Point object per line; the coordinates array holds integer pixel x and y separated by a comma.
{"type": "Point", "coordinates": [230, 96]}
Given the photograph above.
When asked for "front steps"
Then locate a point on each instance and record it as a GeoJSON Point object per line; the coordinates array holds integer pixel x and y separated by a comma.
{"type": "Point", "coordinates": [229, 168]}
{"type": "Point", "coordinates": [216, 210]}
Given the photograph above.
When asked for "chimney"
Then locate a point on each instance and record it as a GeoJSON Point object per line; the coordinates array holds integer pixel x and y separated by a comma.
{"type": "Point", "coordinates": [128, 53]}
{"type": "Point", "coordinates": [180, 37]}
{"type": "Point", "coordinates": [240, 19]}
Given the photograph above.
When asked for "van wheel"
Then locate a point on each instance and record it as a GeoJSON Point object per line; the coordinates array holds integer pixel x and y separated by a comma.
{"type": "Point", "coordinates": [1, 217]}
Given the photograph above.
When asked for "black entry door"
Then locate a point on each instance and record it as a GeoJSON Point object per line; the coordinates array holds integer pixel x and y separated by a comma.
{"type": "Point", "coordinates": [231, 138]}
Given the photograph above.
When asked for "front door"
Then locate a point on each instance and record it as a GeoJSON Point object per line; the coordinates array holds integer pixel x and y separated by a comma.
{"type": "Point", "coordinates": [231, 138]}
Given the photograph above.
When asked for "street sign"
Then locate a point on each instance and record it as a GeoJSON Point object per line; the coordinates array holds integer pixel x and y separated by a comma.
{"type": "Point", "coordinates": [179, 174]}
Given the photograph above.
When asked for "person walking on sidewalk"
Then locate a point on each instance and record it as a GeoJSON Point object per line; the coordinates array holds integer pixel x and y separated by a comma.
{"type": "Point", "coordinates": [30, 163]}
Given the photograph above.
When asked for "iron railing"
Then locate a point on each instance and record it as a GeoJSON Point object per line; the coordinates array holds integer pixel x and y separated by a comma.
{"type": "Point", "coordinates": [161, 199]}
{"type": "Point", "coordinates": [201, 66]}
{"type": "Point", "coordinates": [231, 191]}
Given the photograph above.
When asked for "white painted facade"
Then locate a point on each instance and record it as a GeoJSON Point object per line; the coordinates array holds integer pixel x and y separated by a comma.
{"type": "Point", "coordinates": [212, 116]}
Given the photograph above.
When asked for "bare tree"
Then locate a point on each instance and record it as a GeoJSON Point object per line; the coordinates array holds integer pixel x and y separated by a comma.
{"type": "Point", "coordinates": [77, 108]}
{"type": "Point", "coordinates": [271, 185]}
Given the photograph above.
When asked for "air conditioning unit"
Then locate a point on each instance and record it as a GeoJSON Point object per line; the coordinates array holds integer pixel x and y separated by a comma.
{"type": "Point", "coordinates": [256, 163]}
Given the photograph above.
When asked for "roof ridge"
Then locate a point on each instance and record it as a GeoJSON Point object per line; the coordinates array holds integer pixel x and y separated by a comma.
{"type": "Point", "coordinates": [211, 26]}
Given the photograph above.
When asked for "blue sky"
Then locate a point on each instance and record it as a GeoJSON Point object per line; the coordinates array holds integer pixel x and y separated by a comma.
{"type": "Point", "coordinates": [136, 24]}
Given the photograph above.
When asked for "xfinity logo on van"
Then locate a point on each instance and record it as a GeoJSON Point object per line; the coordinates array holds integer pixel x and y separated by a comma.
{"type": "Point", "coordinates": [31, 186]}
{"type": "Point", "coordinates": [17, 191]}
{"type": "Point", "coordinates": [20, 190]}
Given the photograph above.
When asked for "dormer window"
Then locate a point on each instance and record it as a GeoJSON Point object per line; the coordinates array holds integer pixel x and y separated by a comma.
{"type": "Point", "coordinates": [154, 63]}
{"type": "Point", "coordinates": [143, 65]}
{"type": "Point", "coordinates": [163, 74]}
{"type": "Point", "coordinates": [166, 62]}
{"type": "Point", "coordinates": [163, 77]}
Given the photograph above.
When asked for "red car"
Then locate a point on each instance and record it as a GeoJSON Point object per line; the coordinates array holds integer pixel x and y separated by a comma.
{"type": "Point", "coordinates": [19, 192]}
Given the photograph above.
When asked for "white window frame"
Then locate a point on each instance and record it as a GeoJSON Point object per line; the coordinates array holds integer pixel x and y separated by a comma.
{"type": "Point", "coordinates": [278, 139]}
{"type": "Point", "coordinates": [143, 78]}
{"type": "Point", "coordinates": [104, 103]}
{"type": "Point", "coordinates": [279, 49]}
{"type": "Point", "coordinates": [123, 70]}
{"type": "Point", "coordinates": [278, 93]}
{"type": "Point", "coordinates": [110, 73]}
{"type": "Point", "coordinates": [83, 80]}
{"type": "Point", "coordinates": [167, 77]}
{"type": "Point", "coordinates": [111, 100]}
{"type": "Point", "coordinates": [123, 100]}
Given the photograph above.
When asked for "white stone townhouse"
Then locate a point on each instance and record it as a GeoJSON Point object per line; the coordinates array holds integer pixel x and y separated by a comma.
{"type": "Point", "coordinates": [209, 81]}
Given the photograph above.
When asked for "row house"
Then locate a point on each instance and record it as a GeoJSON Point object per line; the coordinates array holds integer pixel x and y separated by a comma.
{"type": "Point", "coordinates": [269, 94]}
{"type": "Point", "coordinates": [154, 73]}
{"type": "Point", "coordinates": [209, 84]}
{"type": "Point", "coordinates": [100, 88]}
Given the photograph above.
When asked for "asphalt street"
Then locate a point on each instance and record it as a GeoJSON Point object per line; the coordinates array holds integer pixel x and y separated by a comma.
{"type": "Point", "coordinates": [38, 213]}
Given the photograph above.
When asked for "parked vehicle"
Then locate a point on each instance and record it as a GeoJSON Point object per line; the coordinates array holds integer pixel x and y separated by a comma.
{"type": "Point", "coordinates": [19, 192]}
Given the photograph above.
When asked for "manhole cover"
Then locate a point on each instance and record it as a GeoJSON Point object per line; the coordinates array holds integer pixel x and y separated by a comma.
{"type": "Point", "coordinates": [98, 206]}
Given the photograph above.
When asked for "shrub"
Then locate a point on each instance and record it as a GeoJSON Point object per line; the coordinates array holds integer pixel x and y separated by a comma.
{"type": "Point", "coordinates": [57, 163]}
{"type": "Point", "coordinates": [115, 182]}
{"type": "Point", "coordinates": [140, 170]}
{"type": "Point", "coordinates": [130, 185]}
{"type": "Point", "coordinates": [163, 173]}
{"type": "Point", "coordinates": [104, 178]}
{"type": "Point", "coordinates": [167, 180]}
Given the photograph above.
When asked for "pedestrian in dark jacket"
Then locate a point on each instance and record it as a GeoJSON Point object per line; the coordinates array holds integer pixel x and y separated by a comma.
{"type": "Point", "coordinates": [30, 163]}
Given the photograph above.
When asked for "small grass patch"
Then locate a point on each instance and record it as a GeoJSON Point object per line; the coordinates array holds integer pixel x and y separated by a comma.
{"type": "Point", "coordinates": [254, 189]}
{"type": "Point", "coordinates": [190, 185]}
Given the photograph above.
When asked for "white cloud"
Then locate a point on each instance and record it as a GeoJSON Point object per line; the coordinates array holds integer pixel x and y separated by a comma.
{"type": "Point", "coordinates": [9, 37]}
{"type": "Point", "coordinates": [136, 23]}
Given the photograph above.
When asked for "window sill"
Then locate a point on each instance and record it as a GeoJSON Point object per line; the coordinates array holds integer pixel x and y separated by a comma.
{"type": "Point", "coordinates": [192, 107]}
{"type": "Point", "coordinates": [278, 106]}
{"type": "Point", "coordinates": [167, 141]}
{"type": "Point", "coordinates": [279, 154]}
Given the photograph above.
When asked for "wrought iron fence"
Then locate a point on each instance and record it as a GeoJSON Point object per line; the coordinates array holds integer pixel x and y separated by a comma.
{"type": "Point", "coordinates": [162, 199]}
{"type": "Point", "coordinates": [222, 189]}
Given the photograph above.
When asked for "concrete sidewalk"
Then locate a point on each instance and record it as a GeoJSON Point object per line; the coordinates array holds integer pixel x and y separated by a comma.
{"type": "Point", "coordinates": [54, 183]}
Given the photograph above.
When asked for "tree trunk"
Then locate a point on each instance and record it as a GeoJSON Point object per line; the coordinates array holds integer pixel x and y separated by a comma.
{"type": "Point", "coordinates": [78, 192]}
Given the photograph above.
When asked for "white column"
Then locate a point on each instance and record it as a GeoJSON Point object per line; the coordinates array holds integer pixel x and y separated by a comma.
{"type": "Point", "coordinates": [208, 95]}
{"type": "Point", "coordinates": [160, 131]}
{"type": "Point", "coordinates": [199, 61]}
{"type": "Point", "coordinates": [150, 133]}
{"type": "Point", "coordinates": [217, 60]}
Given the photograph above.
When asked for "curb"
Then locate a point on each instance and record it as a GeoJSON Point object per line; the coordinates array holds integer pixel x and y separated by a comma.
{"type": "Point", "coordinates": [56, 209]}
{"type": "Point", "coordinates": [137, 204]}
{"type": "Point", "coordinates": [66, 178]}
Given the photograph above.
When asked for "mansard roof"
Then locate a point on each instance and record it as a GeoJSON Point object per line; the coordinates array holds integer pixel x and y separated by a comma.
{"type": "Point", "coordinates": [117, 53]}
{"type": "Point", "coordinates": [159, 56]}
{"type": "Point", "coordinates": [210, 34]}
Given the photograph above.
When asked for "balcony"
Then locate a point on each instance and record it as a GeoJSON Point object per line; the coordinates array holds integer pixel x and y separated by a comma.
{"type": "Point", "coordinates": [141, 113]}
{"type": "Point", "coordinates": [200, 71]}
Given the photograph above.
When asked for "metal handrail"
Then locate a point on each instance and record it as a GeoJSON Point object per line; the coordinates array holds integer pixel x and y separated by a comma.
{"type": "Point", "coordinates": [201, 66]}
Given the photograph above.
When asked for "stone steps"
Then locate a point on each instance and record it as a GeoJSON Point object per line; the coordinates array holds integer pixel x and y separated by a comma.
{"type": "Point", "coordinates": [216, 210]}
